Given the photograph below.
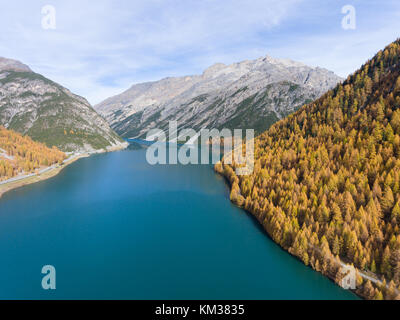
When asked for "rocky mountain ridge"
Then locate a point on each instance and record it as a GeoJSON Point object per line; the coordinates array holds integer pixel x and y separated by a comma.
{"type": "Point", "coordinates": [249, 94]}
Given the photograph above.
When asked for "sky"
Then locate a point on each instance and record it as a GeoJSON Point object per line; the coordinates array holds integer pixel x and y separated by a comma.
{"type": "Point", "coordinates": [99, 48]}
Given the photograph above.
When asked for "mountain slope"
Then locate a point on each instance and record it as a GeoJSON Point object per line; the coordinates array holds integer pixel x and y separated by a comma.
{"type": "Point", "coordinates": [21, 155]}
{"type": "Point", "coordinates": [36, 106]}
{"type": "Point", "coordinates": [326, 181]}
{"type": "Point", "coordinates": [249, 94]}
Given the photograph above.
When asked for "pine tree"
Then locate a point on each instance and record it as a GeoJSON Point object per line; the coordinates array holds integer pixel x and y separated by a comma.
{"type": "Point", "coordinates": [373, 266]}
{"type": "Point", "coordinates": [387, 200]}
{"type": "Point", "coordinates": [336, 246]}
{"type": "Point", "coordinates": [378, 295]}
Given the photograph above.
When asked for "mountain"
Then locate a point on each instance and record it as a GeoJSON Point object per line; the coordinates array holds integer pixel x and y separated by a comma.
{"type": "Point", "coordinates": [326, 180]}
{"type": "Point", "coordinates": [36, 106]}
{"type": "Point", "coordinates": [13, 65]}
{"type": "Point", "coordinates": [250, 94]}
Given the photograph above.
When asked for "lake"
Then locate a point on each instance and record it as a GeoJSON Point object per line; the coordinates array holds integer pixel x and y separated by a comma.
{"type": "Point", "coordinates": [115, 227]}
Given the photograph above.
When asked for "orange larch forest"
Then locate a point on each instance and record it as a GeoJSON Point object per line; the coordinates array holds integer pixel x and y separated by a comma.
{"type": "Point", "coordinates": [21, 155]}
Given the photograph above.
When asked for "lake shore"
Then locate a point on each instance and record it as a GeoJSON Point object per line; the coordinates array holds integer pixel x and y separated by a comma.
{"type": "Point", "coordinates": [373, 278]}
{"type": "Point", "coordinates": [38, 177]}
{"type": "Point", "coordinates": [30, 179]}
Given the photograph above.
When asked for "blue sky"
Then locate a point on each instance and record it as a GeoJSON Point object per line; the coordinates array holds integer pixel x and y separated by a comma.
{"type": "Point", "coordinates": [101, 47]}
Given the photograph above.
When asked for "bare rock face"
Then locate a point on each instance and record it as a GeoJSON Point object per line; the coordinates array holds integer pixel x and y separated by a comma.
{"type": "Point", "coordinates": [251, 94]}
{"type": "Point", "coordinates": [36, 106]}
{"type": "Point", "coordinates": [13, 65]}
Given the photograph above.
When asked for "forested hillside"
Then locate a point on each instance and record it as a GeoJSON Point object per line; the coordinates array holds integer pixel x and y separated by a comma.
{"type": "Point", "coordinates": [21, 155]}
{"type": "Point", "coordinates": [326, 182]}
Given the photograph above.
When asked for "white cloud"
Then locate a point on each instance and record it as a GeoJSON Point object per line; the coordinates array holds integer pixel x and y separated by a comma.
{"type": "Point", "coordinates": [102, 47]}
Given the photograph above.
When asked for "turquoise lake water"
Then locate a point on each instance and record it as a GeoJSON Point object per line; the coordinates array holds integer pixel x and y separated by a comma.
{"type": "Point", "coordinates": [115, 227]}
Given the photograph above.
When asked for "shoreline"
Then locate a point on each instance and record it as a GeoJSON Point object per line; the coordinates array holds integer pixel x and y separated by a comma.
{"type": "Point", "coordinates": [47, 174]}
{"type": "Point", "coordinates": [37, 177]}
{"type": "Point", "coordinates": [371, 277]}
